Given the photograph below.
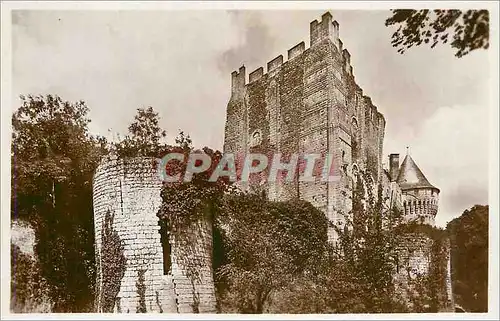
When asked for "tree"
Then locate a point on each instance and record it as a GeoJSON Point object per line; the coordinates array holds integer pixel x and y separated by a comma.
{"type": "Point", "coordinates": [268, 245]}
{"type": "Point", "coordinates": [469, 254]}
{"type": "Point", "coordinates": [465, 30]}
{"type": "Point", "coordinates": [184, 141]}
{"type": "Point", "coordinates": [354, 275]}
{"type": "Point", "coordinates": [145, 136]}
{"type": "Point", "coordinates": [53, 159]}
{"type": "Point", "coordinates": [368, 246]}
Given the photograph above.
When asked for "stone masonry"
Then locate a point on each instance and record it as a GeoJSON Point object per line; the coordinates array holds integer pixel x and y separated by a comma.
{"type": "Point", "coordinates": [308, 104]}
{"type": "Point", "coordinates": [127, 191]}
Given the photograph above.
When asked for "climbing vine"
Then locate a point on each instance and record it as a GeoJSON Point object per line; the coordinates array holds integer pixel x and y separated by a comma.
{"type": "Point", "coordinates": [141, 292]}
{"type": "Point", "coordinates": [183, 202]}
{"type": "Point", "coordinates": [375, 242]}
{"type": "Point", "coordinates": [428, 291]}
{"type": "Point", "coordinates": [112, 264]}
{"type": "Point", "coordinates": [188, 207]}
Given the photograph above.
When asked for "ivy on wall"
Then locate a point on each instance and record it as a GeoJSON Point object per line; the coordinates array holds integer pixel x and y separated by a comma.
{"type": "Point", "coordinates": [112, 264]}
{"type": "Point", "coordinates": [188, 207]}
{"type": "Point", "coordinates": [141, 291]}
{"type": "Point", "coordinates": [98, 281]}
{"type": "Point", "coordinates": [427, 292]}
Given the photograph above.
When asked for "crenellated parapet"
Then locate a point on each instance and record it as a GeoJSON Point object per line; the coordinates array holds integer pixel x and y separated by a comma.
{"type": "Point", "coordinates": [326, 29]}
{"type": "Point", "coordinates": [420, 210]}
{"type": "Point", "coordinates": [297, 50]}
{"type": "Point", "coordinates": [256, 74]}
{"type": "Point", "coordinates": [238, 82]}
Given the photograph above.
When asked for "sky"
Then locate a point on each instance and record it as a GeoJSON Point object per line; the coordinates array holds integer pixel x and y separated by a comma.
{"type": "Point", "coordinates": [179, 62]}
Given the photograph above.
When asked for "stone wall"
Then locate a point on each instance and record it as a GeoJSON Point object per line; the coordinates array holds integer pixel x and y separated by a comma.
{"type": "Point", "coordinates": [191, 268]}
{"type": "Point", "coordinates": [131, 276]}
{"type": "Point", "coordinates": [415, 259]}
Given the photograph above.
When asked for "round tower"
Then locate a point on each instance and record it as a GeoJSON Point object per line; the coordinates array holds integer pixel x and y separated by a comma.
{"type": "Point", "coordinates": [140, 266]}
{"type": "Point", "coordinates": [420, 198]}
{"type": "Point", "coordinates": [419, 250]}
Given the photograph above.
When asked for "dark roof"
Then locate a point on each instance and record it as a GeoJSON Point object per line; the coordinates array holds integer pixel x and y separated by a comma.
{"type": "Point", "coordinates": [410, 176]}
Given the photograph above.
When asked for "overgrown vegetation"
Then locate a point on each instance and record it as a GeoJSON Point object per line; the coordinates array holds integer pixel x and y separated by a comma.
{"type": "Point", "coordinates": [268, 245]}
{"type": "Point", "coordinates": [112, 264]}
{"type": "Point", "coordinates": [469, 258]}
{"type": "Point", "coordinates": [28, 288]}
{"type": "Point", "coordinates": [427, 292]}
{"type": "Point", "coordinates": [53, 158]}
{"type": "Point", "coordinates": [141, 292]}
{"type": "Point", "coordinates": [268, 256]}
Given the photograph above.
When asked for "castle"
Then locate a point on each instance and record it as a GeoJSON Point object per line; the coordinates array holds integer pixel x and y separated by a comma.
{"type": "Point", "coordinates": [311, 103]}
{"type": "Point", "coordinates": [308, 104]}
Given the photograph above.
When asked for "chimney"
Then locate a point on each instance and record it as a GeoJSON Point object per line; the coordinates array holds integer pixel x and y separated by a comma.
{"type": "Point", "coordinates": [393, 166]}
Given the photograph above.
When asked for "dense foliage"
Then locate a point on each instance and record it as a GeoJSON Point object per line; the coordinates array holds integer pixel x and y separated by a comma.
{"type": "Point", "coordinates": [145, 136]}
{"type": "Point", "coordinates": [112, 265]}
{"type": "Point", "coordinates": [268, 245]}
{"type": "Point", "coordinates": [28, 288]}
{"type": "Point", "coordinates": [469, 254]}
{"type": "Point", "coordinates": [466, 30]}
{"type": "Point", "coordinates": [356, 275]}
{"type": "Point", "coordinates": [368, 245]}
{"type": "Point", "coordinates": [53, 159]}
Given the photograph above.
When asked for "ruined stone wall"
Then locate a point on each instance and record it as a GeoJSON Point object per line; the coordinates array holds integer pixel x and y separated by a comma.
{"type": "Point", "coordinates": [417, 255]}
{"type": "Point", "coordinates": [414, 257]}
{"type": "Point", "coordinates": [129, 253]}
{"type": "Point", "coordinates": [191, 269]}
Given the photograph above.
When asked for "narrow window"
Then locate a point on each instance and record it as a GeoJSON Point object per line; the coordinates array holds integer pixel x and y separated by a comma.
{"type": "Point", "coordinates": [165, 244]}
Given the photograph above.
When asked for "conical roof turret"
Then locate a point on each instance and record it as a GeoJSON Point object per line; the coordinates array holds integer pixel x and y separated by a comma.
{"type": "Point", "coordinates": [410, 176]}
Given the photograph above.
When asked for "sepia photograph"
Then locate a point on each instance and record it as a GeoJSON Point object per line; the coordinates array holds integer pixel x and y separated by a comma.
{"type": "Point", "coordinates": [316, 159]}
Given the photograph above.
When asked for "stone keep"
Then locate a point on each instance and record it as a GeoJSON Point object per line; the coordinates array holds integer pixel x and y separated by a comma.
{"type": "Point", "coordinates": [308, 104]}
{"type": "Point", "coordinates": [137, 269]}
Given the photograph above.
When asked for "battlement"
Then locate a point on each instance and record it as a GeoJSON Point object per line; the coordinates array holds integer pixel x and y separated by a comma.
{"type": "Point", "coordinates": [275, 63]}
{"type": "Point", "coordinates": [256, 74]}
{"type": "Point", "coordinates": [272, 65]}
{"type": "Point", "coordinates": [347, 60]}
{"type": "Point", "coordinates": [238, 80]}
{"type": "Point", "coordinates": [372, 110]}
{"type": "Point", "coordinates": [297, 50]}
{"type": "Point", "coordinates": [327, 28]}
